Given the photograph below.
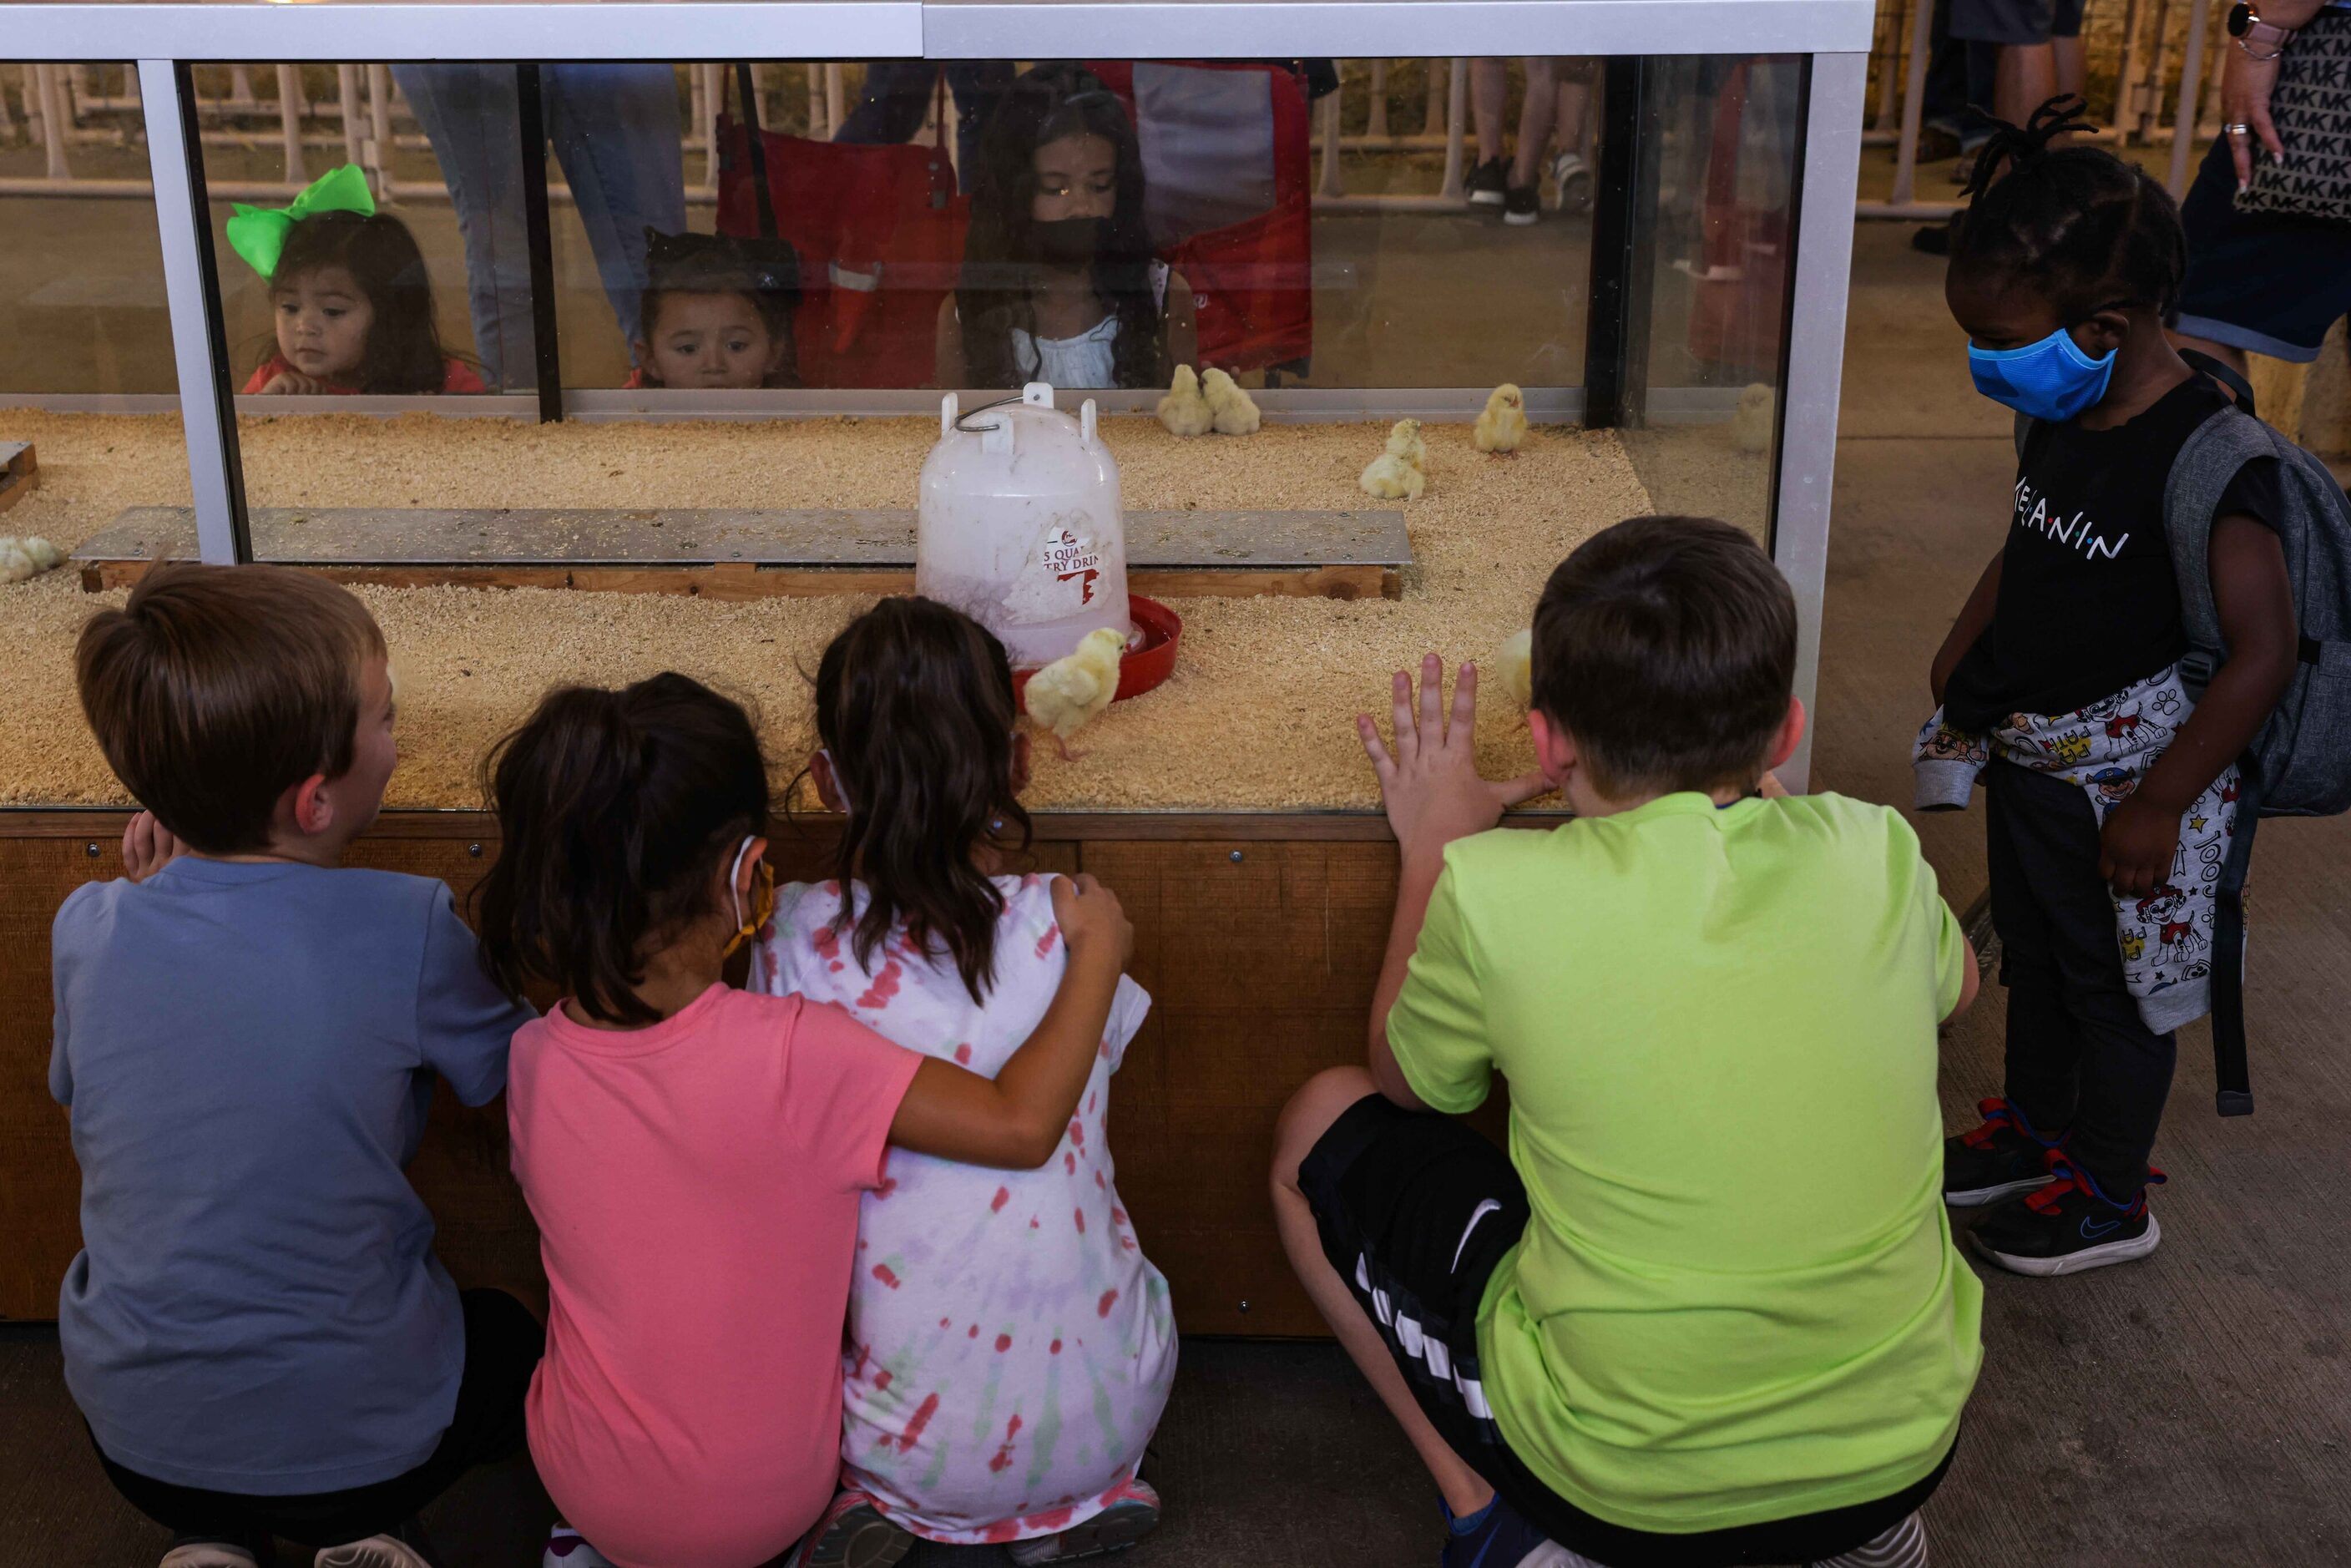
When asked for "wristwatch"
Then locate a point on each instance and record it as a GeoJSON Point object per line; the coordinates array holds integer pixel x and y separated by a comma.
{"type": "Point", "coordinates": [2260, 40]}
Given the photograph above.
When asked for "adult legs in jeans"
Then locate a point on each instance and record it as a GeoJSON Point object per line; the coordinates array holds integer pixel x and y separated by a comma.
{"type": "Point", "coordinates": [616, 135]}
{"type": "Point", "coordinates": [503, 1344]}
{"type": "Point", "coordinates": [2081, 1061]}
{"type": "Point", "coordinates": [897, 94]}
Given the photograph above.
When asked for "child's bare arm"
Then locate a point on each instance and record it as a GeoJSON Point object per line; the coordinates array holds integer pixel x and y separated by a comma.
{"type": "Point", "coordinates": [1016, 1120]}
{"type": "Point", "coordinates": [1434, 794]}
{"type": "Point", "coordinates": [1970, 984]}
{"type": "Point", "coordinates": [2254, 597]}
{"type": "Point", "coordinates": [1975, 615]}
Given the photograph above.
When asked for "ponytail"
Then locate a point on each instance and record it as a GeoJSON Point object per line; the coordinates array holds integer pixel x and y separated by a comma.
{"type": "Point", "coordinates": [617, 810]}
{"type": "Point", "coordinates": [2084, 228]}
{"type": "Point", "coordinates": [914, 704]}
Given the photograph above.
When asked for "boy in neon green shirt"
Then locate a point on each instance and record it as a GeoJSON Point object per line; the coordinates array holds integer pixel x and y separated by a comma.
{"type": "Point", "coordinates": [1675, 1324]}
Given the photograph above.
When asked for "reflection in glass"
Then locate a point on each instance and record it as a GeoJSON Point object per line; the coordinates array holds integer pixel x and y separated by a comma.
{"type": "Point", "coordinates": [1717, 187]}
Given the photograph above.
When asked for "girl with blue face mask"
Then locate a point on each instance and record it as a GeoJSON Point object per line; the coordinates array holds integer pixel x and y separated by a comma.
{"type": "Point", "coordinates": [2059, 681]}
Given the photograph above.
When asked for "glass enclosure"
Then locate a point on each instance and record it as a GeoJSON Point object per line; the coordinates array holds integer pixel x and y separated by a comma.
{"type": "Point", "coordinates": [1350, 239]}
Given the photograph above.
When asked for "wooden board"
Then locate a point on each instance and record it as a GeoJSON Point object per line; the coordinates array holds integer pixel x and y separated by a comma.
{"type": "Point", "coordinates": [747, 554]}
{"type": "Point", "coordinates": [20, 472]}
{"type": "Point", "coordinates": [1258, 936]}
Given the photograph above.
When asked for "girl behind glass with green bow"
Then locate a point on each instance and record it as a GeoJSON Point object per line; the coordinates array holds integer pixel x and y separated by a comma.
{"type": "Point", "coordinates": [348, 295]}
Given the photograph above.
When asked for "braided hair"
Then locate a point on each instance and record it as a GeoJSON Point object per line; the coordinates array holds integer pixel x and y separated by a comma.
{"type": "Point", "coordinates": [2085, 229]}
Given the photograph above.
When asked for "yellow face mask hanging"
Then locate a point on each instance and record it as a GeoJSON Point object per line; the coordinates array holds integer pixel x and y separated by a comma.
{"type": "Point", "coordinates": [763, 898]}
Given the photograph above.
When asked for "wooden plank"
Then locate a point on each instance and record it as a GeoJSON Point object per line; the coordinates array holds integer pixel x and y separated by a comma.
{"type": "Point", "coordinates": [1182, 539]}
{"type": "Point", "coordinates": [733, 583]}
{"type": "Point", "coordinates": [20, 472]}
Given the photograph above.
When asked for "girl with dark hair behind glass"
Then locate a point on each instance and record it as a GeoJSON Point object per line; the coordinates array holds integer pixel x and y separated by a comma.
{"type": "Point", "coordinates": [1059, 280]}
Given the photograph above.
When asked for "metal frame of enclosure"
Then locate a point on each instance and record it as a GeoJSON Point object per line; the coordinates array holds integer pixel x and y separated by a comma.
{"type": "Point", "coordinates": [1833, 37]}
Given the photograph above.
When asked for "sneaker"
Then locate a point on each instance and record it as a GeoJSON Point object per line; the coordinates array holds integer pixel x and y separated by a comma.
{"type": "Point", "coordinates": [1496, 1536]}
{"type": "Point", "coordinates": [2068, 1226]}
{"type": "Point", "coordinates": [1519, 206]}
{"type": "Point", "coordinates": [1999, 1159]}
{"type": "Point", "coordinates": [567, 1548]}
{"type": "Point", "coordinates": [189, 1553]}
{"type": "Point", "coordinates": [1571, 177]}
{"type": "Point", "coordinates": [1133, 1513]}
{"type": "Point", "coordinates": [852, 1533]}
{"type": "Point", "coordinates": [1486, 182]}
{"type": "Point", "coordinates": [375, 1551]}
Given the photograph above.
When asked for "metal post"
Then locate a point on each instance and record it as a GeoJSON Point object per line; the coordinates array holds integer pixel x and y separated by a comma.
{"type": "Point", "coordinates": [2125, 120]}
{"type": "Point", "coordinates": [1914, 106]}
{"type": "Point", "coordinates": [289, 125]}
{"type": "Point", "coordinates": [1618, 311]}
{"type": "Point", "coordinates": [9, 121]}
{"type": "Point", "coordinates": [1889, 75]}
{"type": "Point", "coordinates": [836, 97]}
{"type": "Point", "coordinates": [1328, 185]}
{"type": "Point", "coordinates": [2192, 73]}
{"type": "Point", "coordinates": [183, 223]}
{"type": "Point", "coordinates": [705, 125]}
{"type": "Point", "coordinates": [57, 124]}
{"type": "Point", "coordinates": [540, 235]}
{"type": "Point", "coordinates": [1432, 116]}
{"type": "Point", "coordinates": [1457, 127]}
{"type": "Point", "coordinates": [347, 89]}
{"type": "Point", "coordinates": [1822, 242]}
{"type": "Point", "coordinates": [1376, 123]}
{"type": "Point", "coordinates": [820, 128]}
{"type": "Point", "coordinates": [2212, 91]}
{"type": "Point", "coordinates": [2150, 103]}
{"type": "Point", "coordinates": [378, 80]}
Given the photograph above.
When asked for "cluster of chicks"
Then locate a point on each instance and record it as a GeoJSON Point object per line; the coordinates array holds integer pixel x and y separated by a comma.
{"type": "Point", "coordinates": [1400, 473]}
{"type": "Point", "coordinates": [1211, 401]}
{"type": "Point", "coordinates": [24, 560]}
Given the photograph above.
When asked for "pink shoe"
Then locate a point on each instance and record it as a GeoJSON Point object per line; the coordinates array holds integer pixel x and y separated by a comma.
{"type": "Point", "coordinates": [852, 1533]}
{"type": "Point", "coordinates": [1133, 1513]}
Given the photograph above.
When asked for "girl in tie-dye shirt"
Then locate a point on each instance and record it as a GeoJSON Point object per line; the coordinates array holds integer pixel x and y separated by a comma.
{"type": "Point", "coordinates": [1009, 1347]}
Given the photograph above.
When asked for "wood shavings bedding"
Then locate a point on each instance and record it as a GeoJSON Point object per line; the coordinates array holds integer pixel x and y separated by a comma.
{"type": "Point", "coordinates": [1258, 714]}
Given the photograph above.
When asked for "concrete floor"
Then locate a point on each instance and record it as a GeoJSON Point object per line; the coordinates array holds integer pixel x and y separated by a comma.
{"type": "Point", "coordinates": [2191, 1410]}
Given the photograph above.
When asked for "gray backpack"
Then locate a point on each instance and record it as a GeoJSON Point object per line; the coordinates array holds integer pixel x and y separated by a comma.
{"type": "Point", "coordinates": [2299, 764]}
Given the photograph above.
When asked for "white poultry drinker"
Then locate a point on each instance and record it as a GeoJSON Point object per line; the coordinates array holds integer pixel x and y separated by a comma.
{"type": "Point", "coordinates": [1020, 525]}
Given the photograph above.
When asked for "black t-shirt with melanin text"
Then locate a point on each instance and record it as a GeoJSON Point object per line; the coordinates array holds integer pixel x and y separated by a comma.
{"type": "Point", "coordinates": [2088, 602]}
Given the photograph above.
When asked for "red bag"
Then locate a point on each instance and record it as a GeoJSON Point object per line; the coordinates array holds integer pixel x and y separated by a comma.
{"type": "Point", "coordinates": [880, 232]}
{"type": "Point", "coordinates": [1252, 279]}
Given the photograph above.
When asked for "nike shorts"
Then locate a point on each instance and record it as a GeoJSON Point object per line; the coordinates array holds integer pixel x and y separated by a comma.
{"type": "Point", "coordinates": [1415, 1212]}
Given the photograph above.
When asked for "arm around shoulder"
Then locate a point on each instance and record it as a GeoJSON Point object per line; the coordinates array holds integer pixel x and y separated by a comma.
{"type": "Point", "coordinates": [464, 1024]}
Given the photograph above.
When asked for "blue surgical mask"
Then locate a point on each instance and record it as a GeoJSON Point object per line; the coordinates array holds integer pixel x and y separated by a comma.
{"type": "Point", "coordinates": [2050, 379]}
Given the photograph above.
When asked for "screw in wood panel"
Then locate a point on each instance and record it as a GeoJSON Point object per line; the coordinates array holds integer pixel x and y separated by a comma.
{"type": "Point", "coordinates": [474, 850]}
{"type": "Point", "coordinates": [1245, 1306]}
{"type": "Point", "coordinates": [91, 849]}
{"type": "Point", "coordinates": [1236, 857]}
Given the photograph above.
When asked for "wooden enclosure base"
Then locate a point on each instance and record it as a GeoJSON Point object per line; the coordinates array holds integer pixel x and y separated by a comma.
{"type": "Point", "coordinates": [20, 472]}
{"type": "Point", "coordinates": [1259, 937]}
{"type": "Point", "coordinates": [737, 555]}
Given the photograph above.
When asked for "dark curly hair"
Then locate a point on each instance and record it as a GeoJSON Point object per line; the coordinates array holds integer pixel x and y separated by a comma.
{"type": "Point", "coordinates": [2083, 228]}
{"type": "Point", "coordinates": [1000, 250]}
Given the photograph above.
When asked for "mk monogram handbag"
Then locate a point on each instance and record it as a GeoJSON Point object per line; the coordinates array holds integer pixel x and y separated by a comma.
{"type": "Point", "coordinates": [2311, 111]}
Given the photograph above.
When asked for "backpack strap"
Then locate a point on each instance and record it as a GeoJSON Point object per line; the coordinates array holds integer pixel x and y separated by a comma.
{"type": "Point", "coordinates": [2231, 1076]}
{"type": "Point", "coordinates": [2238, 387]}
{"type": "Point", "coordinates": [2201, 471]}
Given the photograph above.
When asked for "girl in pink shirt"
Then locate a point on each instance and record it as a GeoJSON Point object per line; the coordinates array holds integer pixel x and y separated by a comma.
{"type": "Point", "coordinates": [1009, 1346]}
{"type": "Point", "coordinates": [694, 1154]}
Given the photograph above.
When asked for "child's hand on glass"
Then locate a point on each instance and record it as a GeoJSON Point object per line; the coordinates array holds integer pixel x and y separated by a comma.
{"type": "Point", "coordinates": [147, 846]}
{"type": "Point", "coordinates": [2137, 846]}
{"type": "Point", "coordinates": [1091, 918]}
{"type": "Point", "coordinates": [1429, 782]}
{"type": "Point", "coordinates": [293, 384]}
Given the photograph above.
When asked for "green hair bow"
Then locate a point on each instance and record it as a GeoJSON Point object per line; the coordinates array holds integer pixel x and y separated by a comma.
{"type": "Point", "coordinates": [258, 233]}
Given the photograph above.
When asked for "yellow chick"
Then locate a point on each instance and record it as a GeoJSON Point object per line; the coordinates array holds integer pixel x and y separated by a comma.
{"type": "Point", "coordinates": [1504, 424]}
{"type": "Point", "coordinates": [46, 556]}
{"type": "Point", "coordinates": [1405, 441]}
{"type": "Point", "coordinates": [15, 566]}
{"type": "Point", "coordinates": [1391, 479]}
{"type": "Point", "coordinates": [1184, 410]}
{"type": "Point", "coordinates": [1516, 665]}
{"type": "Point", "coordinates": [1751, 422]}
{"type": "Point", "coordinates": [1235, 414]}
{"type": "Point", "coordinates": [1069, 694]}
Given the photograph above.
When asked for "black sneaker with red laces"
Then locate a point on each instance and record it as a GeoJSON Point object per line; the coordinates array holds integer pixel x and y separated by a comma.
{"type": "Point", "coordinates": [2068, 1226]}
{"type": "Point", "coordinates": [2000, 1159]}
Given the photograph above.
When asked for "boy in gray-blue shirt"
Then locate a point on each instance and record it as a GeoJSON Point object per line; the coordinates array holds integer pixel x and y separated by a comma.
{"type": "Point", "coordinates": [256, 1330]}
